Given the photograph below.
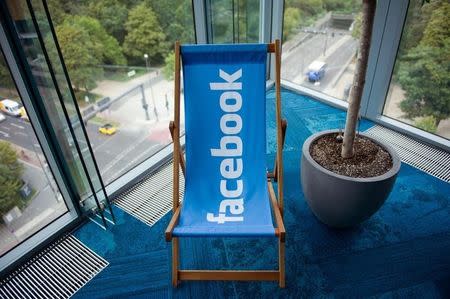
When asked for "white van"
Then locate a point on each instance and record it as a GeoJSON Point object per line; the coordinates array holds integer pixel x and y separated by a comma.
{"type": "Point", "coordinates": [316, 71]}
{"type": "Point", "coordinates": [10, 107]}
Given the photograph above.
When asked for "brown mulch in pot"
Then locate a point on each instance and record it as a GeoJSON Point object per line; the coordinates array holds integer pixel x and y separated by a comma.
{"type": "Point", "coordinates": [370, 159]}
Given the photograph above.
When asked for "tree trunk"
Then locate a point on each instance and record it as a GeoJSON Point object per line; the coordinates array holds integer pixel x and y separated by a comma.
{"type": "Point", "coordinates": [359, 79]}
{"type": "Point", "coordinates": [438, 121]}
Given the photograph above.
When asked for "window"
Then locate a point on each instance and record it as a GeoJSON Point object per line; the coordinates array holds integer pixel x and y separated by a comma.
{"type": "Point", "coordinates": [29, 196]}
{"type": "Point", "coordinates": [419, 92]}
{"type": "Point", "coordinates": [233, 21]}
{"type": "Point", "coordinates": [120, 60]}
{"type": "Point", "coordinates": [320, 41]}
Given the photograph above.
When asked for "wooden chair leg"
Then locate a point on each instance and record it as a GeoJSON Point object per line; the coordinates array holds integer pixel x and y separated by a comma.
{"type": "Point", "coordinates": [182, 162]}
{"type": "Point", "coordinates": [281, 262]}
{"type": "Point", "coordinates": [175, 260]}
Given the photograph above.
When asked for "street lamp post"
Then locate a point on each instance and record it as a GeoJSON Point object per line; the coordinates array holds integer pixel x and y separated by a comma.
{"type": "Point", "coordinates": [144, 100]}
{"type": "Point", "coordinates": [147, 64]}
{"type": "Point", "coordinates": [326, 41]}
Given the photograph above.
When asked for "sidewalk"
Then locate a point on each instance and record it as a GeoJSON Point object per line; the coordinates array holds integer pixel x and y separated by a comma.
{"type": "Point", "coordinates": [28, 157]}
{"type": "Point", "coordinates": [109, 88]}
{"type": "Point", "coordinates": [44, 207]}
{"type": "Point", "coordinates": [130, 113]}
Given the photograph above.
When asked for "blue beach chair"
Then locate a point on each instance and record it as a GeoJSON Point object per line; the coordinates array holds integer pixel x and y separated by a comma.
{"type": "Point", "coordinates": [228, 191]}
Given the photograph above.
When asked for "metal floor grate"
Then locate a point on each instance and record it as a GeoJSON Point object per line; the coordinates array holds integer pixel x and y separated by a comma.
{"type": "Point", "coordinates": [57, 272]}
{"type": "Point", "coordinates": [150, 199]}
{"type": "Point", "coordinates": [433, 161]}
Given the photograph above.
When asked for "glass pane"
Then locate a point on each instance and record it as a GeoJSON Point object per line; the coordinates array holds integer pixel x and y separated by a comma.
{"type": "Point", "coordinates": [233, 21]}
{"type": "Point", "coordinates": [320, 44]}
{"type": "Point", "coordinates": [48, 90]}
{"type": "Point", "coordinates": [88, 202]}
{"type": "Point", "coordinates": [119, 56]}
{"type": "Point", "coordinates": [29, 196]}
{"type": "Point", "coordinates": [419, 93]}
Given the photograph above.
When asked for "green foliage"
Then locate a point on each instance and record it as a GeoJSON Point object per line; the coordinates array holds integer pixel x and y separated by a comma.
{"type": "Point", "coordinates": [247, 21]}
{"type": "Point", "coordinates": [356, 31]}
{"type": "Point", "coordinates": [222, 14]}
{"type": "Point", "coordinates": [105, 48]}
{"type": "Point", "coordinates": [85, 44]}
{"type": "Point", "coordinates": [291, 21]}
{"type": "Point", "coordinates": [169, 66]}
{"type": "Point", "coordinates": [10, 178]}
{"type": "Point", "coordinates": [312, 7]}
{"type": "Point", "coordinates": [78, 53]}
{"type": "Point", "coordinates": [424, 74]}
{"type": "Point", "coordinates": [308, 7]}
{"type": "Point", "coordinates": [144, 35]}
{"type": "Point", "coordinates": [340, 6]}
{"type": "Point", "coordinates": [57, 11]}
{"type": "Point", "coordinates": [427, 123]}
{"type": "Point", "coordinates": [60, 9]}
{"type": "Point", "coordinates": [111, 14]}
{"type": "Point", "coordinates": [424, 71]}
{"type": "Point", "coordinates": [303, 13]}
{"type": "Point", "coordinates": [5, 76]}
{"type": "Point", "coordinates": [419, 15]}
{"type": "Point", "coordinates": [437, 31]}
{"type": "Point", "coordinates": [175, 18]}
{"type": "Point", "coordinates": [244, 14]}
{"type": "Point", "coordinates": [181, 26]}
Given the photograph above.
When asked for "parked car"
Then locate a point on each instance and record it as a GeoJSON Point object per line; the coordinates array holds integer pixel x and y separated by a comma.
{"type": "Point", "coordinates": [107, 129]}
{"type": "Point", "coordinates": [10, 107]}
{"type": "Point", "coordinates": [316, 71]}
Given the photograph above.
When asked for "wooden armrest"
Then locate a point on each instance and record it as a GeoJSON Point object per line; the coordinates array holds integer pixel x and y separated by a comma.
{"type": "Point", "coordinates": [173, 222]}
{"type": "Point", "coordinates": [280, 230]}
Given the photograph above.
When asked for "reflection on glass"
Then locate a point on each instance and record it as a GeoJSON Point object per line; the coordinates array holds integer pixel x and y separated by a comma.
{"type": "Point", "coordinates": [69, 104]}
{"type": "Point", "coordinates": [320, 45]}
{"type": "Point", "coordinates": [29, 196]}
{"type": "Point", "coordinates": [40, 70]}
{"type": "Point", "coordinates": [121, 69]}
{"type": "Point", "coordinates": [233, 21]}
{"type": "Point", "coordinates": [419, 93]}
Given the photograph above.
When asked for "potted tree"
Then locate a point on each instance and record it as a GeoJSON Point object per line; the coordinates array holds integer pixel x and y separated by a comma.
{"type": "Point", "coordinates": [347, 178]}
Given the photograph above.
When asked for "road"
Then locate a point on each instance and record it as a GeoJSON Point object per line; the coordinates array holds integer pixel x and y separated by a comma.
{"type": "Point", "coordinates": [115, 154]}
{"type": "Point", "coordinates": [296, 61]}
{"type": "Point", "coordinates": [46, 205]}
{"type": "Point", "coordinates": [120, 152]}
{"type": "Point", "coordinates": [339, 51]}
{"type": "Point", "coordinates": [19, 132]}
{"type": "Point", "coordinates": [138, 138]}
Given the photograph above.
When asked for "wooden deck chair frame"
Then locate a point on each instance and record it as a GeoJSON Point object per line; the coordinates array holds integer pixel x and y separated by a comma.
{"type": "Point", "coordinates": [275, 176]}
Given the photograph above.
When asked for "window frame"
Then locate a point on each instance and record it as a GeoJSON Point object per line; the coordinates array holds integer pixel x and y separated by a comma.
{"type": "Point", "coordinates": [72, 215]}
{"type": "Point", "coordinates": [382, 75]}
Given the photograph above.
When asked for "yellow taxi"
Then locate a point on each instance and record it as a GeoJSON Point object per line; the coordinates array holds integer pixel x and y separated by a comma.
{"type": "Point", "coordinates": [23, 113]}
{"type": "Point", "coordinates": [107, 129]}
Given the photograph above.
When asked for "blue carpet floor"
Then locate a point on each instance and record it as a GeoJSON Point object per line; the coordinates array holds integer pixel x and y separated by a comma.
{"type": "Point", "coordinates": [403, 251]}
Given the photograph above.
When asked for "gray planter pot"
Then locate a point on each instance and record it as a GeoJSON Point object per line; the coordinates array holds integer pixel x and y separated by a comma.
{"type": "Point", "coordinates": [341, 201]}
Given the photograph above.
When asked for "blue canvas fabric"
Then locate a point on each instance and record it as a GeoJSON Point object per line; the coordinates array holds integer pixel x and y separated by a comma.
{"type": "Point", "coordinates": [225, 119]}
